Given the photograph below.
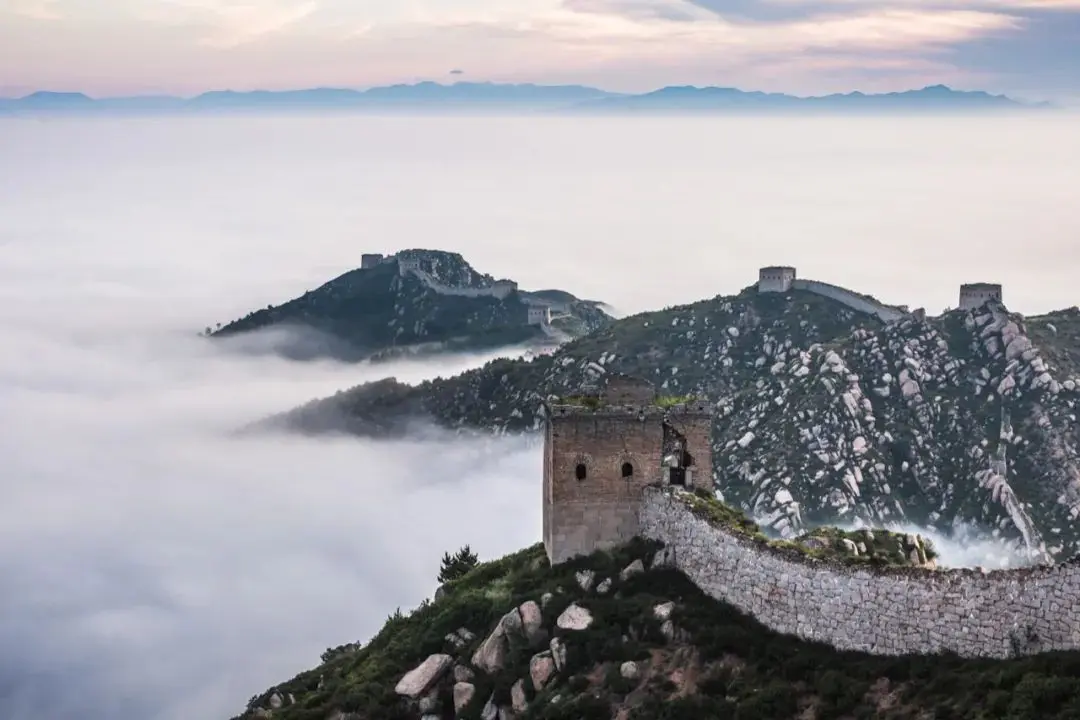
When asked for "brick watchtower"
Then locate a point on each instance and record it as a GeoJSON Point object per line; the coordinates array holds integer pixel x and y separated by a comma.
{"type": "Point", "coordinates": [601, 451]}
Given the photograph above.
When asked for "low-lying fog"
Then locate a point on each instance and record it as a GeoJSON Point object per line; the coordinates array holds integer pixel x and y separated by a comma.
{"type": "Point", "coordinates": [154, 568]}
{"type": "Point", "coordinates": [151, 566]}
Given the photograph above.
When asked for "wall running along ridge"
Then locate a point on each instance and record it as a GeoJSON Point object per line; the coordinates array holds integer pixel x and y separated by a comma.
{"type": "Point", "coordinates": [884, 611]}
{"type": "Point", "coordinates": [887, 313]}
{"type": "Point", "coordinates": [495, 291]}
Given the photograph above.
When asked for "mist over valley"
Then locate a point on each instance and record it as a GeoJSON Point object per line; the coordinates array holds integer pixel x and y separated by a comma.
{"type": "Point", "coordinates": [158, 565]}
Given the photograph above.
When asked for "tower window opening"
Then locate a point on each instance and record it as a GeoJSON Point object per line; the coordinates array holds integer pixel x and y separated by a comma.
{"type": "Point", "coordinates": [627, 470]}
{"type": "Point", "coordinates": [579, 471]}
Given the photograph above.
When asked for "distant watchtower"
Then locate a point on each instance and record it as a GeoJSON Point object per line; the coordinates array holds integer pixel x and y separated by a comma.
{"type": "Point", "coordinates": [370, 260]}
{"type": "Point", "coordinates": [973, 295]}
{"type": "Point", "coordinates": [601, 451]}
{"type": "Point", "coordinates": [539, 315]}
{"type": "Point", "coordinates": [777, 278]}
{"type": "Point", "coordinates": [503, 288]}
{"type": "Point", "coordinates": [408, 265]}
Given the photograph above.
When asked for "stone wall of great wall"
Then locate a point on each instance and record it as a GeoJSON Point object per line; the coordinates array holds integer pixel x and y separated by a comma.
{"type": "Point", "coordinates": [885, 611]}
{"type": "Point", "coordinates": [853, 300]}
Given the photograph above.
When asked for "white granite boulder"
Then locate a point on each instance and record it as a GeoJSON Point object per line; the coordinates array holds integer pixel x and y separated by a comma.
{"type": "Point", "coordinates": [541, 668]}
{"type": "Point", "coordinates": [463, 695]}
{"type": "Point", "coordinates": [518, 701]}
{"type": "Point", "coordinates": [558, 653]}
{"type": "Point", "coordinates": [418, 680]}
{"type": "Point", "coordinates": [532, 623]}
{"type": "Point", "coordinates": [632, 569]}
{"type": "Point", "coordinates": [574, 617]}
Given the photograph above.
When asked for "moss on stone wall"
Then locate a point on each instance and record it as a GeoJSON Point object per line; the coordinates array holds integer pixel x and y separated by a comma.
{"type": "Point", "coordinates": [874, 547]}
{"type": "Point", "coordinates": [595, 402]}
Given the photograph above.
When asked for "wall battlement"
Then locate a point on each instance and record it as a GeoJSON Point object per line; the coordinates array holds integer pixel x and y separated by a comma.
{"type": "Point", "coordinates": [782, 278]}
{"type": "Point", "coordinates": [883, 611]}
{"type": "Point", "coordinates": [855, 301]}
{"type": "Point", "coordinates": [500, 289]}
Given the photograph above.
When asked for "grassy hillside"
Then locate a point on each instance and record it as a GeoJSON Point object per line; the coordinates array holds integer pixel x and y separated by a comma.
{"type": "Point", "coordinates": [656, 648]}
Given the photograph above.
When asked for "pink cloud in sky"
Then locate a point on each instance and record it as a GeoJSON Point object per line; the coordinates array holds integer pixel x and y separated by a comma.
{"type": "Point", "coordinates": [188, 46]}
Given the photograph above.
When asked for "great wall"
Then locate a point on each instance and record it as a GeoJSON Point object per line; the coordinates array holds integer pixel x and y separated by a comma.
{"type": "Point", "coordinates": [615, 468]}
{"type": "Point", "coordinates": [619, 464]}
{"type": "Point", "coordinates": [782, 278]}
{"type": "Point", "coordinates": [970, 612]}
{"type": "Point", "coordinates": [539, 311]}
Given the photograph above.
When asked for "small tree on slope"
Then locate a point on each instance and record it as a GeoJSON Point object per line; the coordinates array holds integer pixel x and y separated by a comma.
{"type": "Point", "coordinates": [456, 565]}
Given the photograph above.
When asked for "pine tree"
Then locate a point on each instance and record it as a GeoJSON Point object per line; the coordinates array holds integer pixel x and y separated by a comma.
{"type": "Point", "coordinates": [456, 565]}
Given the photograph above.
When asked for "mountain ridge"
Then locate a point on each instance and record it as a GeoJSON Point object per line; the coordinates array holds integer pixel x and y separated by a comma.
{"type": "Point", "coordinates": [824, 414]}
{"type": "Point", "coordinates": [525, 96]}
{"type": "Point", "coordinates": [415, 301]}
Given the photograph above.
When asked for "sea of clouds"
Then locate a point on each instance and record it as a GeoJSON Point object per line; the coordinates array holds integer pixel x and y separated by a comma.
{"type": "Point", "coordinates": [152, 564]}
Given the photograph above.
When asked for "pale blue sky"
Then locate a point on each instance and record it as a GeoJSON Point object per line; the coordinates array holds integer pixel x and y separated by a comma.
{"type": "Point", "coordinates": [1028, 48]}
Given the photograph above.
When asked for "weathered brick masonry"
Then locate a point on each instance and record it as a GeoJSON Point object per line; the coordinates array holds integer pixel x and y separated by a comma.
{"type": "Point", "coordinates": [598, 459]}
{"type": "Point", "coordinates": [883, 611]}
{"type": "Point", "coordinates": [610, 464]}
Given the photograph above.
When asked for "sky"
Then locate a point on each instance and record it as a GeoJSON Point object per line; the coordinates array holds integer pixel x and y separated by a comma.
{"type": "Point", "coordinates": [1029, 49]}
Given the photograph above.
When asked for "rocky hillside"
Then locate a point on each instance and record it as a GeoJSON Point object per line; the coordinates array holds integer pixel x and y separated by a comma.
{"type": "Point", "coordinates": [824, 415]}
{"type": "Point", "coordinates": [379, 312]}
{"type": "Point", "coordinates": [622, 636]}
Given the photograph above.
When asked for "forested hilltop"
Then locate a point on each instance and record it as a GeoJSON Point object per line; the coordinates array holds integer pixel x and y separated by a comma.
{"type": "Point", "coordinates": [418, 302]}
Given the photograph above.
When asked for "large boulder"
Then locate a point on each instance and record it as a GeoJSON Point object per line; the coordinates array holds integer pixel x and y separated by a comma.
{"type": "Point", "coordinates": [632, 569]}
{"type": "Point", "coordinates": [541, 668]}
{"type": "Point", "coordinates": [518, 701]}
{"type": "Point", "coordinates": [418, 680]}
{"type": "Point", "coordinates": [491, 655]}
{"type": "Point", "coordinates": [532, 623]}
{"type": "Point", "coordinates": [574, 617]}
{"type": "Point", "coordinates": [463, 695]}
{"type": "Point", "coordinates": [558, 653]}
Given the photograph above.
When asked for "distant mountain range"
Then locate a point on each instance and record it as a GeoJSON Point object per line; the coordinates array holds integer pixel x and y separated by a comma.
{"type": "Point", "coordinates": [467, 96]}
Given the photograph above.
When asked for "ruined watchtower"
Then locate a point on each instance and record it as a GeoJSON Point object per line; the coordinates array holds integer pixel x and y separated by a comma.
{"type": "Point", "coordinates": [602, 450]}
{"type": "Point", "coordinates": [370, 260]}
{"type": "Point", "coordinates": [973, 295]}
{"type": "Point", "coordinates": [776, 278]}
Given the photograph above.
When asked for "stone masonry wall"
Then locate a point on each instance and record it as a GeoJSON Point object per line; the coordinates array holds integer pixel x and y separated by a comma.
{"type": "Point", "coordinates": [496, 291]}
{"type": "Point", "coordinates": [854, 301]}
{"type": "Point", "coordinates": [881, 611]}
{"type": "Point", "coordinates": [601, 510]}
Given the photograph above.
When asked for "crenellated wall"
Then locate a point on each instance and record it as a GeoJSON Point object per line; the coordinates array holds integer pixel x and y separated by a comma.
{"type": "Point", "coordinates": [499, 290]}
{"type": "Point", "coordinates": [877, 610]}
{"type": "Point", "coordinates": [887, 313]}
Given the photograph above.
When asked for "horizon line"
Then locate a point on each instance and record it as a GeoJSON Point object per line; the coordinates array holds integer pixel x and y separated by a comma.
{"type": "Point", "coordinates": [361, 90]}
